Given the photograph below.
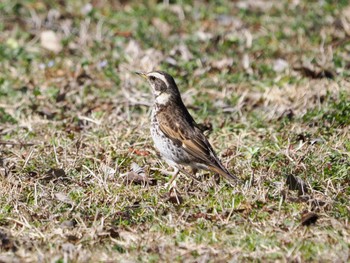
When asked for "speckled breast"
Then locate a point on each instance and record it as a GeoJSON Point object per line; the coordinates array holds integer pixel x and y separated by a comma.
{"type": "Point", "coordinates": [167, 148]}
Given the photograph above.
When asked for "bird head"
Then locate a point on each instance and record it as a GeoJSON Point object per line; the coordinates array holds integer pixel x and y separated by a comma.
{"type": "Point", "coordinates": [163, 86]}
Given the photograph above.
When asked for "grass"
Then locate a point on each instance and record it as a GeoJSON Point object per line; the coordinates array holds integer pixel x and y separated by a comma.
{"type": "Point", "coordinates": [73, 122]}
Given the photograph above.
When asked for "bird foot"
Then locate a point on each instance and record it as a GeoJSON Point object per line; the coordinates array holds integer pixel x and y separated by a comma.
{"type": "Point", "coordinates": [172, 183]}
{"type": "Point", "coordinates": [170, 186]}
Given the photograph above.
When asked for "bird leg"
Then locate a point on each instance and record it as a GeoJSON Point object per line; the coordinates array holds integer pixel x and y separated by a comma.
{"type": "Point", "coordinates": [172, 183]}
{"type": "Point", "coordinates": [191, 175]}
{"type": "Point", "coordinates": [174, 174]}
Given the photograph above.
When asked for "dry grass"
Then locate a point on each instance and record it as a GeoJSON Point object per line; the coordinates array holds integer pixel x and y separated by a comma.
{"type": "Point", "coordinates": [271, 81]}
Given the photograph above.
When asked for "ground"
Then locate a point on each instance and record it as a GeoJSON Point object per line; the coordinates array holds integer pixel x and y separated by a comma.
{"type": "Point", "coordinates": [267, 80]}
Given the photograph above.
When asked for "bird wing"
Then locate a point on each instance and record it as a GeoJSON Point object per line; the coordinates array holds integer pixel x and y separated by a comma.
{"type": "Point", "coordinates": [188, 135]}
{"type": "Point", "coordinates": [184, 132]}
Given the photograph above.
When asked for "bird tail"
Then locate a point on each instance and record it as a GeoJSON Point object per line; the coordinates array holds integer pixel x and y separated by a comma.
{"type": "Point", "coordinates": [225, 173]}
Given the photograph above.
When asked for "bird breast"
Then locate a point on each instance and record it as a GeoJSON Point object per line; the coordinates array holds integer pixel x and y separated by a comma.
{"type": "Point", "coordinates": [166, 146]}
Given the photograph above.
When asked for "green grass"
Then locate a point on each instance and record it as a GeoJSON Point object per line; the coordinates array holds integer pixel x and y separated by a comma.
{"type": "Point", "coordinates": [73, 122]}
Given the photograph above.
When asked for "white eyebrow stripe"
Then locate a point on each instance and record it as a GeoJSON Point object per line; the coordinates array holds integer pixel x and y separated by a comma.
{"type": "Point", "coordinates": [158, 76]}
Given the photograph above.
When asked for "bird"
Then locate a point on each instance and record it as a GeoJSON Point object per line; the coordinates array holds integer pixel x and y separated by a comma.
{"type": "Point", "coordinates": [175, 133]}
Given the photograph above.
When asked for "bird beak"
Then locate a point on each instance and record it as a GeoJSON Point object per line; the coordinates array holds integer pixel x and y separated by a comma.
{"type": "Point", "coordinates": [142, 74]}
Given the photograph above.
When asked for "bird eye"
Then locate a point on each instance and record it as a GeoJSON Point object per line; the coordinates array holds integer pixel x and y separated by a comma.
{"type": "Point", "coordinates": [152, 78]}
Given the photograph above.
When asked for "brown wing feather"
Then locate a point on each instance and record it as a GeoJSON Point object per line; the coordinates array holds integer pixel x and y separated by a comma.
{"type": "Point", "coordinates": [190, 137]}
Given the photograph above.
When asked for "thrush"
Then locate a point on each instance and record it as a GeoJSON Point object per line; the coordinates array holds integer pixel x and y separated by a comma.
{"type": "Point", "coordinates": [176, 135]}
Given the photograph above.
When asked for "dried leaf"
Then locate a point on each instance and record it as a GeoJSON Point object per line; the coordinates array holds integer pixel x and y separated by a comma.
{"type": "Point", "coordinates": [171, 61]}
{"type": "Point", "coordinates": [132, 177]}
{"type": "Point", "coordinates": [47, 112]}
{"type": "Point", "coordinates": [225, 20]}
{"type": "Point", "coordinates": [139, 152]}
{"type": "Point", "coordinates": [182, 51]}
{"type": "Point", "coordinates": [68, 224]}
{"type": "Point", "coordinates": [222, 63]}
{"type": "Point", "coordinates": [128, 237]}
{"type": "Point", "coordinates": [162, 26]}
{"type": "Point", "coordinates": [150, 60]}
{"type": "Point", "coordinates": [72, 238]}
{"type": "Point", "coordinates": [133, 49]}
{"type": "Point", "coordinates": [50, 41]}
{"type": "Point", "coordinates": [63, 198]}
{"type": "Point", "coordinates": [125, 34]}
{"type": "Point", "coordinates": [107, 170]}
{"type": "Point", "coordinates": [137, 175]}
{"type": "Point", "coordinates": [86, 9]}
{"type": "Point", "coordinates": [280, 65]}
{"type": "Point", "coordinates": [205, 216]}
{"type": "Point", "coordinates": [54, 173]}
{"type": "Point", "coordinates": [246, 62]}
{"type": "Point", "coordinates": [204, 36]}
{"type": "Point", "coordinates": [309, 218]}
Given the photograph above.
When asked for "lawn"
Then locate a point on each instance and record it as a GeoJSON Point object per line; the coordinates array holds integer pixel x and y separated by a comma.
{"type": "Point", "coordinates": [269, 82]}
